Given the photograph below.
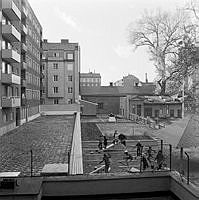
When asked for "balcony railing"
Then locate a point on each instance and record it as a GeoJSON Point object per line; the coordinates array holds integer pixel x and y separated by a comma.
{"type": "Point", "coordinates": [10, 33]}
{"type": "Point", "coordinates": [10, 9]}
{"type": "Point", "coordinates": [24, 66]}
{"type": "Point", "coordinates": [23, 83]}
{"type": "Point", "coordinates": [9, 55]}
{"type": "Point", "coordinates": [10, 102]}
{"type": "Point", "coordinates": [23, 47]}
{"type": "Point", "coordinates": [10, 79]}
{"type": "Point", "coordinates": [24, 12]}
{"type": "Point", "coordinates": [24, 30]}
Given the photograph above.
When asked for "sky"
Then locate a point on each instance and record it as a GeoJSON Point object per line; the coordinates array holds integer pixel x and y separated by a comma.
{"type": "Point", "coordinates": [101, 29]}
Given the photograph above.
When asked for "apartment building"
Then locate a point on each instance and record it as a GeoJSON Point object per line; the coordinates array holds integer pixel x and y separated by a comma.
{"type": "Point", "coordinates": [21, 34]}
{"type": "Point", "coordinates": [60, 73]}
{"type": "Point", "coordinates": [90, 79]}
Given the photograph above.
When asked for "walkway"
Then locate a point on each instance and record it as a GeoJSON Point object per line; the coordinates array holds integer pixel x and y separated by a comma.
{"type": "Point", "coordinates": [172, 133]}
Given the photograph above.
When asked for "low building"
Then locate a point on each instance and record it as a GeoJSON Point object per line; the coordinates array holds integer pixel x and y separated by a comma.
{"type": "Point", "coordinates": [108, 97]}
{"type": "Point", "coordinates": [150, 106]}
{"type": "Point", "coordinates": [88, 108]}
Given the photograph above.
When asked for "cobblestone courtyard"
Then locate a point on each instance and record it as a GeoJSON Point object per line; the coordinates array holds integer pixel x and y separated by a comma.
{"type": "Point", "coordinates": [49, 137]}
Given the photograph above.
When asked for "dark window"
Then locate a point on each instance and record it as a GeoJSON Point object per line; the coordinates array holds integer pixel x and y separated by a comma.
{"type": "Point", "coordinates": [70, 90]}
{"type": "Point", "coordinates": [56, 101]}
{"type": "Point", "coordinates": [55, 65]}
{"type": "Point", "coordinates": [139, 111]}
{"type": "Point", "coordinates": [55, 89]}
{"type": "Point", "coordinates": [157, 113]}
{"type": "Point", "coordinates": [179, 113]}
{"type": "Point", "coordinates": [70, 78]}
{"type": "Point", "coordinates": [171, 113]}
{"type": "Point", "coordinates": [55, 77]}
{"type": "Point", "coordinates": [100, 105]}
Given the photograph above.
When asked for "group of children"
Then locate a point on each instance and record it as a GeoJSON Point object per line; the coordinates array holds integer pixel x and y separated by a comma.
{"type": "Point", "coordinates": [147, 158]}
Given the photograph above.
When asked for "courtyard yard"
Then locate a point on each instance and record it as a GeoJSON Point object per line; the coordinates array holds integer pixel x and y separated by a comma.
{"type": "Point", "coordinates": [48, 137]}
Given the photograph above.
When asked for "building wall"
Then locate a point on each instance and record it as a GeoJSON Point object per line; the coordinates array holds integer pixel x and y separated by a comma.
{"type": "Point", "coordinates": [32, 58]}
{"type": "Point", "coordinates": [88, 109]}
{"type": "Point", "coordinates": [90, 79]}
{"type": "Point", "coordinates": [27, 68]}
{"type": "Point", "coordinates": [106, 104]}
{"type": "Point", "coordinates": [128, 105]}
{"type": "Point", "coordinates": [8, 114]}
{"type": "Point", "coordinates": [56, 63]}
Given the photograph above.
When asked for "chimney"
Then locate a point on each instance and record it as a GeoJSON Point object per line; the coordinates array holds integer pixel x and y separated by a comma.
{"type": "Point", "coordinates": [146, 78]}
{"type": "Point", "coordinates": [64, 41]}
{"type": "Point", "coordinates": [111, 84]}
{"type": "Point", "coordinates": [45, 41]}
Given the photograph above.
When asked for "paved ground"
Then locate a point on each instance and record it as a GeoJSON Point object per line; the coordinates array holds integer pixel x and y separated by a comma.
{"type": "Point", "coordinates": [190, 137]}
{"type": "Point", "coordinates": [172, 134]}
{"type": "Point", "coordinates": [49, 138]}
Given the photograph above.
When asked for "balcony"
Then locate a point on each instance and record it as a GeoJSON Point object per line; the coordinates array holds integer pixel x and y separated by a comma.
{"type": "Point", "coordinates": [10, 102]}
{"type": "Point", "coordinates": [23, 48]}
{"type": "Point", "coordinates": [10, 33]}
{"type": "Point", "coordinates": [11, 56]}
{"type": "Point", "coordinates": [24, 66]}
{"type": "Point", "coordinates": [24, 12]}
{"type": "Point", "coordinates": [23, 83]}
{"type": "Point", "coordinates": [10, 79]}
{"type": "Point", "coordinates": [10, 10]}
{"type": "Point", "coordinates": [24, 30]}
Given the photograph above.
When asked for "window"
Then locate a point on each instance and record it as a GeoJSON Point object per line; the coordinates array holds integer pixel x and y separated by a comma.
{"type": "Point", "coordinates": [56, 101]}
{"type": "Point", "coordinates": [55, 89]}
{"type": "Point", "coordinates": [172, 113]}
{"type": "Point", "coordinates": [56, 54]}
{"type": "Point", "coordinates": [12, 114]}
{"type": "Point", "coordinates": [55, 65]}
{"type": "Point", "coordinates": [70, 66]}
{"type": "Point", "coordinates": [5, 117]}
{"type": "Point", "coordinates": [70, 78]}
{"type": "Point", "coordinates": [55, 77]}
{"type": "Point", "coordinates": [70, 101]}
{"type": "Point", "coordinates": [100, 105]}
{"type": "Point", "coordinates": [69, 56]}
{"type": "Point", "coordinates": [156, 113]}
{"type": "Point", "coordinates": [70, 90]}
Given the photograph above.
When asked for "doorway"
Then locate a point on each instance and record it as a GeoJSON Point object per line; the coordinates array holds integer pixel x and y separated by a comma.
{"type": "Point", "coordinates": [17, 116]}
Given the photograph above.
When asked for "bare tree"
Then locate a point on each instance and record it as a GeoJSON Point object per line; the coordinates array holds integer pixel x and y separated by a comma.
{"type": "Point", "coordinates": [162, 33]}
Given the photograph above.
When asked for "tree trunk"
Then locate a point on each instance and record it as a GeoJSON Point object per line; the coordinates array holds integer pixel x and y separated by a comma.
{"type": "Point", "coordinates": [163, 87]}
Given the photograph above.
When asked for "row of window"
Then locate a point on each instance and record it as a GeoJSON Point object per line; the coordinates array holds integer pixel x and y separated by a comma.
{"type": "Point", "coordinates": [32, 94]}
{"type": "Point", "coordinates": [67, 56]}
{"type": "Point", "coordinates": [32, 64]}
{"type": "Point", "coordinates": [8, 69]}
{"type": "Point", "coordinates": [55, 78]}
{"type": "Point", "coordinates": [56, 66]}
{"type": "Point", "coordinates": [32, 79]}
{"type": "Point", "coordinates": [32, 49]}
{"type": "Point", "coordinates": [7, 116]}
{"type": "Point", "coordinates": [90, 84]}
{"type": "Point", "coordinates": [7, 45]}
{"type": "Point", "coordinates": [56, 90]}
{"type": "Point", "coordinates": [34, 22]}
{"type": "Point", "coordinates": [90, 80]}
{"type": "Point", "coordinates": [56, 101]}
{"type": "Point", "coordinates": [10, 91]}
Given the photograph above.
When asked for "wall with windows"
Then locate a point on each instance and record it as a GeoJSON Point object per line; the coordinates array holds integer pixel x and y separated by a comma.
{"type": "Point", "coordinates": [60, 73]}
